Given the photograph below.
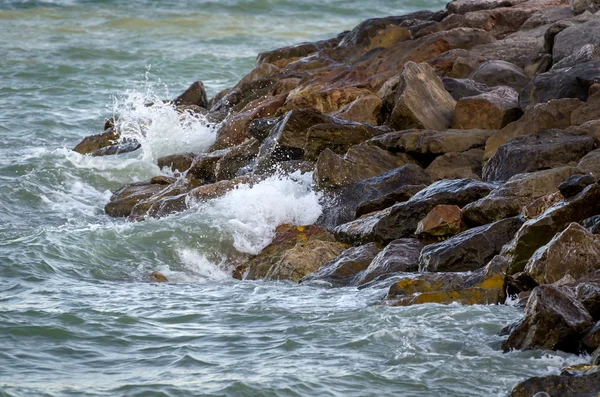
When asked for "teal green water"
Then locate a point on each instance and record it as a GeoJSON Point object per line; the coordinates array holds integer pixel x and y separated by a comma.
{"type": "Point", "coordinates": [77, 315]}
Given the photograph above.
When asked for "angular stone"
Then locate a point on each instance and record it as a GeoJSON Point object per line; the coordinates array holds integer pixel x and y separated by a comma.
{"type": "Point", "coordinates": [158, 277]}
{"type": "Point", "coordinates": [481, 287]}
{"type": "Point", "coordinates": [500, 73]}
{"type": "Point", "coordinates": [592, 224]}
{"type": "Point", "coordinates": [443, 220]}
{"type": "Point", "coordinates": [194, 95]}
{"type": "Point", "coordinates": [288, 137]}
{"type": "Point", "coordinates": [364, 109]}
{"type": "Point", "coordinates": [575, 184]}
{"type": "Point", "coordinates": [203, 167]}
{"type": "Point", "coordinates": [491, 110]}
{"type": "Point", "coordinates": [400, 195]}
{"type": "Point", "coordinates": [573, 82]}
{"type": "Point", "coordinates": [542, 150]}
{"type": "Point", "coordinates": [400, 255]}
{"type": "Point", "coordinates": [572, 254]}
{"type": "Point", "coordinates": [341, 205]}
{"type": "Point", "coordinates": [464, 6]}
{"type": "Point", "coordinates": [570, 40]}
{"type": "Point", "coordinates": [520, 190]}
{"type": "Point", "coordinates": [286, 237]}
{"type": "Point", "coordinates": [554, 114]}
{"type": "Point", "coordinates": [401, 219]}
{"type": "Point", "coordinates": [230, 164]}
{"type": "Point", "coordinates": [432, 142]}
{"type": "Point", "coordinates": [361, 162]}
{"type": "Point", "coordinates": [553, 320]}
{"type": "Point", "coordinates": [539, 231]}
{"type": "Point", "coordinates": [342, 270]}
{"type": "Point", "coordinates": [456, 165]}
{"type": "Point", "coordinates": [93, 143]}
{"type": "Point", "coordinates": [421, 100]}
{"type": "Point", "coordinates": [588, 112]}
{"type": "Point", "coordinates": [336, 137]}
{"type": "Point", "coordinates": [304, 259]}
{"type": "Point", "coordinates": [469, 250]}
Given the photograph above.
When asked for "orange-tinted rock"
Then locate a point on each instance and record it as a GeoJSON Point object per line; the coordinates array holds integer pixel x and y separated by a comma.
{"type": "Point", "coordinates": [443, 220]}
{"type": "Point", "coordinates": [491, 110]}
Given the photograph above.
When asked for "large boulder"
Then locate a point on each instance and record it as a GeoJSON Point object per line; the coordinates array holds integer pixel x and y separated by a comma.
{"type": "Point", "coordinates": [500, 73]}
{"type": "Point", "coordinates": [520, 190]}
{"type": "Point", "coordinates": [336, 137]}
{"type": "Point", "coordinates": [575, 184]}
{"type": "Point", "coordinates": [461, 88]}
{"type": "Point", "coordinates": [491, 110]}
{"type": "Point", "coordinates": [481, 287]}
{"type": "Point", "coordinates": [287, 138]}
{"type": "Point", "coordinates": [194, 95]}
{"type": "Point", "coordinates": [553, 320]}
{"type": "Point", "coordinates": [591, 162]}
{"type": "Point", "coordinates": [587, 53]}
{"type": "Point", "coordinates": [399, 195]}
{"type": "Point", "coordinates": [588, 294]}
{"type": "Point", "coordinates": [570, 40]}
{"type": "Point", "coordinates": [588, 112]}
{"type": "Point", "coordinates": [360, 162]}
{"type": "Point", "coordinates": [177, 162]}
{"type": "Point", "coordinates": [428, 142]}
{"type": "Point", "coordinates": [469, 250]}
{"type": "Point", "coordinates": [286, 237]}
{"type": "Point", "coordinates": [542, 150]}
{"type": "Point", "coordinates": [106, 143]}
{"type": "Point", "coordinates": [401, 220]}
{"type": "Point", "coordinates": [553, 114]}
{"type": "Point", "coordinates": [341, 205]}
{"type": "Point", "coordinates": [421, 100]}
{"type": "Point", "coordinates": [571, 255]}
{"type": "Point", "coordinates": [539, 231]}
{"type": "Point", "coordinates": [571, 385]}
{"type": "Point", "coordinates": [456, 165]}
{"type": "Point", "coordinates": [304, 258]}
{"type": "Point", "coordinates": [343, 269]}
{"type": "Point", "coordinates": [572, 82]}
{"type": "Point", "coordinates": [236, 159]}
{"type": "Point", "coordinates": [400, 255]}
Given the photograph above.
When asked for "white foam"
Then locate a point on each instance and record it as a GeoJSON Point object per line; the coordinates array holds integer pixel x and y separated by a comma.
{"type": "Point", "coordinates": [251, 214]}
{"type": "Point", "coordinates": [197, 264]}
{"type": "Point", "coordinates": [159, 128]}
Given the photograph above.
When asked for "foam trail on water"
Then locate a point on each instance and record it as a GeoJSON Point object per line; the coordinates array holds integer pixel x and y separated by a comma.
{"type": "Point", "coordinates": [251, 213]}
{"type": "Point", "coordinates": [159, 127]}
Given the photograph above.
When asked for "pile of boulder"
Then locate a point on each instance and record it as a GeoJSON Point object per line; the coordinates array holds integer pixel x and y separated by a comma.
{"type": "Point", "coordinates": [457, 152]}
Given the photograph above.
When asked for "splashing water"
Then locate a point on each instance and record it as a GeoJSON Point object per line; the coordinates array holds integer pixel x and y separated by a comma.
{"type": "Point", "coordinates": [251, 213]}
{"type": "Point", "coordinates": [158, 126]}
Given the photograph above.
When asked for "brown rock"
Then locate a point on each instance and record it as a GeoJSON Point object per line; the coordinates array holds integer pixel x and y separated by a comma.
{"type": "Point", "coordinates": [443, 220]}
{"type": "Point", "coordinates": [572, 254]}
{"type": "Point", "coordinates": [158, 277]}
{"type": "Point", "coordinates": [343, 269]}
{"type": "Point", "coordinates": [484, 287]}
{"type": "Point", "coordinates": [491, 110]}
{"type": "Point", "coordinates": [240, 156]}
{"type": "Point", "coordinates": [553, 320]}
{"type": "Point", "coordinates": [402, 194]}
{"type": "Point", "coordinates": [541, 204]}
{"type": "Point", "coordinates": [554, 114]}
{"type": "Point", "coordinates": [364, 109]}
{"type": "Point", "coordinates": [177, 162]}
{"type": "Point", "coordinates": [580, 385]}
{"type": "Point", "coordinates": [304, 259]}
{"type": "Point", "coordinates": [539, 231]}
{"type": "Point", "coordinates": [336, 137]}
{"type": "Point", "coordinates": [455, 165]}
{"type": "Point", "coordinates": [361, 162]}
{"type": "Point", "coordinates": [508, 199]}
{"type": "Point", "coordinates": [123, 200]}
{"type": "Point", "coordinates": [194, 95]}
{"type": "Point", "coordinates": [432, 142]}
{"type": "Point", "coordinates": [421, 100]}
{"type": "Point", "coordinates": [286, 237]}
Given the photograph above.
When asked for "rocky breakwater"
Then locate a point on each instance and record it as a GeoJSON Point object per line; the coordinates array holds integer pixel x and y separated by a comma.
{"type": "Point", "coordinates": [456, 152]}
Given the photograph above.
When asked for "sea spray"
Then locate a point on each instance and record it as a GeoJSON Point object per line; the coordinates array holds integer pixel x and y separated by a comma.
{"type": "Point", "coordinates": [158, 126]}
